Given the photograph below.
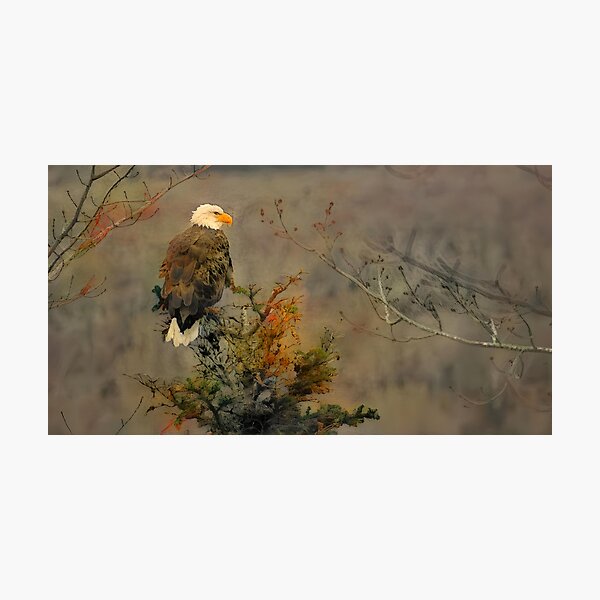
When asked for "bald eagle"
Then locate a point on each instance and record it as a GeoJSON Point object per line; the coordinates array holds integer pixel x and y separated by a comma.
{"type": "Point", "coordinates": [196, 270]}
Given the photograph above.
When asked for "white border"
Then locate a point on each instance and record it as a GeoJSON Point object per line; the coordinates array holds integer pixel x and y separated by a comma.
{"type": "Point", "coordinates": [274, 83]}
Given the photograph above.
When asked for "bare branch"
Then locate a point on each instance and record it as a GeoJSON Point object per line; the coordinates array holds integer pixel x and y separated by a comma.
{"type": "Point", "coordinates": [545, 180]}
{"type": "Point", "coordinates": [104, 173]}
{"type": "Point", "coordinates": [89, 290]}
{"type": "Point", "coordinates": [120, 178]}
{"type": "Point", "coordinates": [392, 337]}
{"type": "Point", "coordinates": [329, 260]}
{"type": "Point", "coordinates": [70, 226]}
{"type": "Point", "coordinates": [84, 230]}
{"type": "Point", "coordinates": [450, 275]}
{"type": "Point", "coordinates": [124, 423]}
{"type": "Point", "coordinates": [65, 421]}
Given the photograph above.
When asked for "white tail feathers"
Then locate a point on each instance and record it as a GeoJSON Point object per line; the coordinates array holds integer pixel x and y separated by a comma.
{"type": "Point", "coordinates": [174, 334]}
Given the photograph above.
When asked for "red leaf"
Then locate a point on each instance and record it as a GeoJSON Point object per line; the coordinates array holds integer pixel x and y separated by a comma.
{"type": "Point", "coordinates": [149, 211]}
{"type": "Point", "coordinates": [87, 287]}
{"type": "Point", "coordinates": [168, 426]}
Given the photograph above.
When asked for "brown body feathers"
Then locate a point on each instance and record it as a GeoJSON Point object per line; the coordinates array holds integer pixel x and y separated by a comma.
{"type": "Point", "coordinates": [196, 270]}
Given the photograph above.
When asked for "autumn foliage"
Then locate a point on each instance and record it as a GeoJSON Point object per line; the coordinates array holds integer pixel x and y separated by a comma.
{"type": "Point", "coordinates": [94, 216]}
{"type": "Point", "coordinates": [252, 377]}
{"type": "Point", "coordinates": [116, 214]}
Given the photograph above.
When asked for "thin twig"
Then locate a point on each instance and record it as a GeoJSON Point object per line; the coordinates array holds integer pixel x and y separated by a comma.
{"type": "Point", "coordinates": [123, 423]}
{"type": "Point", "coordinates": [330, 262]}
{"type": "Point", "coordinates": [70, 226]}
{"type": "Point", "coordinates": [65, 421]}
{"type": "Point", "coordinates": [451, 276]}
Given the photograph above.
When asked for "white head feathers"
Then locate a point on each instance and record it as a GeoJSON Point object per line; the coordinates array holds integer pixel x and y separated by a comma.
{"type": "Point", "coordinates": [211, 216]}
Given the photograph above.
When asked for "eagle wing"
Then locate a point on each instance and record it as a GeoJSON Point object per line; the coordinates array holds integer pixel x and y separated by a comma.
{"type": "Point", "coordinates": [196, 269]}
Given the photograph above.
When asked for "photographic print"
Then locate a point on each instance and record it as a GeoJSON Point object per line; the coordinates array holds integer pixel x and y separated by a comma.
{"type": "Point", "coordinates": [300, 300]}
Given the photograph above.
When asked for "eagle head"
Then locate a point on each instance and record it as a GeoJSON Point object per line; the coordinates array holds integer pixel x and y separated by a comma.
{"type": "Point", "coordinates": [211, 216]}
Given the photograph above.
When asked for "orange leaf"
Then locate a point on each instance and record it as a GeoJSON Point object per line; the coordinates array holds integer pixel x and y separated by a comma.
{"type": "Point", "coordinates": [85, 244]}
{"type": "Point", "coordinates": [149, 211]}
{"type": "Point", "coordinates": [168, 426]}
{"type": "Point", "coordinates": [87, 287]}
{"type": "Point", "coordinates": [101, 224]}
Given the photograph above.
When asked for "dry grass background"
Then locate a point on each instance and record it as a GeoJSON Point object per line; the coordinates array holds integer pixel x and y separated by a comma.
{"type": "Point", "coordinates": [487, 216]}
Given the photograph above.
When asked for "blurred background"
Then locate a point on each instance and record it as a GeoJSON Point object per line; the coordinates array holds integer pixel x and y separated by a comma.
{"type": "Point", "coordinates": [486, 217]}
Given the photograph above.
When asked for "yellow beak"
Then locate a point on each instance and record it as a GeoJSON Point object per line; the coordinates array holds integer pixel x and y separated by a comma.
{"type": "Point", "coordinates": [225, 218]}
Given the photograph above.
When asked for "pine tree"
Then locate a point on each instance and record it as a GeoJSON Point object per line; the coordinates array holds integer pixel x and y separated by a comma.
{"type": "Point", "coordinates": [251, 375]}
